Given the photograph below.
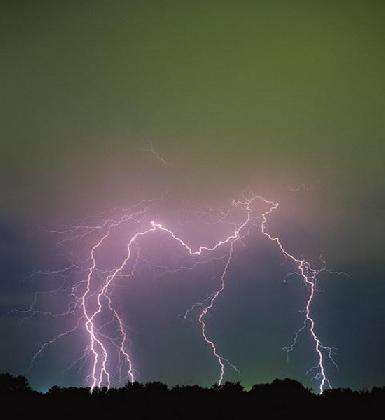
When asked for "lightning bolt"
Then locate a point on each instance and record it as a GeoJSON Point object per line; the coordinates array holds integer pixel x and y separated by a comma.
{"type": "Point", "coordinates": [157, 156]}
{"type": "Point", "coordinates": [206, 309]}
{"type": "Point", "coordinates": [309, 276]}
{"type": "Point", "coordinates": [92, 295]}
{"type": "Point", "coordinates": [100, 372]}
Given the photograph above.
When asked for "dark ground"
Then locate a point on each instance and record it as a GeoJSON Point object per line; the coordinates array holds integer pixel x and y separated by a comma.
{"type": "Point", "coordinates": [281, 399]}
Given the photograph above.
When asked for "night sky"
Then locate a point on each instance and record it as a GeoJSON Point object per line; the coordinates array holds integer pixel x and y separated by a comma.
{"type": "Point", "coordinates": [286, 99]}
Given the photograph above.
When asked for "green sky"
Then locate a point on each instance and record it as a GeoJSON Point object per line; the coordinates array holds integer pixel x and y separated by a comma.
{"type": "Point", "coordinates": [298, 83]}
{"type": "Point", "coordinates": [256, 93]}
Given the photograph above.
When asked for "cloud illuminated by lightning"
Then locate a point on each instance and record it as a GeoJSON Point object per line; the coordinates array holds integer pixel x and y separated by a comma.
{"type": "Point", "coordinates": [92, 294]}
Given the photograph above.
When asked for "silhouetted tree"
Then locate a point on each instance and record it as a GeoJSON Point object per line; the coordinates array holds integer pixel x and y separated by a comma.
{"type": "Point", "coordinates": [283, 398]}
{"type": "Point", "coordinates": [156, 387]}
{"type": "Point", "coordinates": [10, 383]}
{"type": "Point", "coordinates": [231, 388]}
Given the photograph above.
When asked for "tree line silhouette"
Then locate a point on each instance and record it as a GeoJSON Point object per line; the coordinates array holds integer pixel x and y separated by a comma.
{"type": "Point", "coordinates": [155, 400]}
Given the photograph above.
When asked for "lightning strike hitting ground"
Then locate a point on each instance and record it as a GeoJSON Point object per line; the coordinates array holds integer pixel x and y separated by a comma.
{"type": "Point", "coordinates": [95, 300]}
{"type": "Point", "coordinates": [309, 276]}
{"type": "Point", "coordinates": [100, 354]}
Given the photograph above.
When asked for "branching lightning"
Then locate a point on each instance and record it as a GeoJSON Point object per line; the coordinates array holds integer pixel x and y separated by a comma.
{"type": "Point", "coordinates": [309, 276]}
{"type": "Point", "coordinates": [92, 297]}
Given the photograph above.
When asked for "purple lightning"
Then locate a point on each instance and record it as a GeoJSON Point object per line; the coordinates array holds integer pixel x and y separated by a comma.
{"type": "Point", "coordinates": [309, 276]}
{"type": "Point", "coordinates": [208, 308]}
{"type": "Point", "coordinates": [100, 355]}
{"type": "Point", "coordinates": [91, 296]}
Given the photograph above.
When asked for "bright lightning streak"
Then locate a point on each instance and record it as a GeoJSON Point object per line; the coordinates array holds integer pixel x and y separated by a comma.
{"type": "Point", "coordinates": [94, 341]}
{"type": "Point", "coordinates": [101, 357]}
{"type": "Point", "coordinates": [206, 309]}
{"type": "Point", "coordinates": [309, 276]}
{"type": "Point", "coordinates": [94, 299]}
